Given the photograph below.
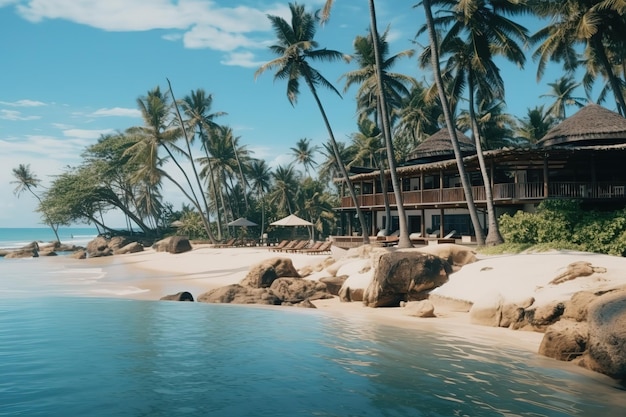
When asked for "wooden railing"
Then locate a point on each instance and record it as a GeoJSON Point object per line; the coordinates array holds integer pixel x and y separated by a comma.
{"type": "Point", "coordinates": [530, 192]}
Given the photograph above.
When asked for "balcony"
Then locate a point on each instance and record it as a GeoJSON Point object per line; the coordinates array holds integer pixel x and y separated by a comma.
{"type": "Point", "coordinates": [502, 193]}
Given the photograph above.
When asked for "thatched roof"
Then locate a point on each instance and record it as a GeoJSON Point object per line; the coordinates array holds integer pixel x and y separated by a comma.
{"type": "Point", "coordinates": [593, 125]}
{"type": "Point", "coordinates": [440, 144]}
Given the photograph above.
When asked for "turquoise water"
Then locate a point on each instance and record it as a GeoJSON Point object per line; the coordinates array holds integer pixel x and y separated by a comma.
{"type": "Point", "coordinates": [11, 238]}
{"type": "Point", "coordinates": [66, 350]}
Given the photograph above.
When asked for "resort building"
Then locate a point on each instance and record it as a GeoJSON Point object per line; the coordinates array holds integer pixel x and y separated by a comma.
{"type": "Point", "coordinates": [584, 157]}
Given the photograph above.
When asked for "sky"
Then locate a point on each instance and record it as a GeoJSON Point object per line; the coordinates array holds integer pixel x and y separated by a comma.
{"type": "Point", "coordinates": [73, 71]}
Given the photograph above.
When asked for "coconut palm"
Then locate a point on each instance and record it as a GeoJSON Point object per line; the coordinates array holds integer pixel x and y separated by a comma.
{"type": "Point", "coordinates": [562, 92]}
{"type": "Point", "coordinates": [597, 25]}
{"type": "Point", "coordinates": [285, 189]}
{"type": "Point", "coordinates": [329, 169]}
{"type": "Point", "coordinates": [434, 60]}
{"type": "Point", "coordinates": [419, 115]}
{"type": "Point", "coordinates": [295, 48]}
{"type": "Point", "coordinates": [303, 152]}
{"type": "Point", "coordinates": [260, 177]}
{"type": "Point", "coordinates": [26, 180]}
{"type": "Point", "coordinates": [534, 125]}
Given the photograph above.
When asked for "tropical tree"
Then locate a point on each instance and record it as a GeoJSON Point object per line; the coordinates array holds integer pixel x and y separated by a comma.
{"type": "Point", "coordinates": [497, 128]}
{"type": "Point", "coordinates": [303, 152]}
{"type": "Point", "coordinates": [534, 125]}
{"type": "Point", "coordinates": [285, 189]}
{"type": "Point", "coordinates": [562, 91]}
{"type": "Point", "coordinates": [329, 168]}
{"type": "Point", "coordinates": [295, 48]}
{"type": "Point", "coordinates": [260, 180]}
{"type": "Point", "coordinates": [26, 180]}
{"type": "Point", "coordinates": [419, 115]}
{"type": "Point", "coordinates": [596, 25]}
{"type": "Point", "coordinates": [434, 60]}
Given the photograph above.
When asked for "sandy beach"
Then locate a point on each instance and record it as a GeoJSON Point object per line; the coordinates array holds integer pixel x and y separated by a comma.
{"type": "Point", "coordinates": [155, 274]}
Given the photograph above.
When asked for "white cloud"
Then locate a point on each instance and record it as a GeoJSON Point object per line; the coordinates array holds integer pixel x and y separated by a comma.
{"type": "Point", "coordinates": [116, 112]}
{"type": "Point", "coordinates": [205, 23]}
{"type": "Point", "coordinates": [23, 103]}
{"type": "Point", "coordinates": [86, 134]}
{"type": "Point", "coordinates": [241, 59]}
{"type": "Point", "coordinates": [15, 115]}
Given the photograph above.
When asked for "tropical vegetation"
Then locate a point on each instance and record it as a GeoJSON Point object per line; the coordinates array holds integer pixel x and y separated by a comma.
{"type": "Point", "coordinates": [181, 145]}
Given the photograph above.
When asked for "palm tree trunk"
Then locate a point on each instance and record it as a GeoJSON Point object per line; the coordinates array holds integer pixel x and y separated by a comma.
{"type": "Point", "coordinates": [193, 167]}
{"type": "Point", "coordinates": [434, 59]}
{"type": "Point", "coordinates": [404, 241]}
{"type": "Point", "coordinates": [615, 85]}
{"type": "Point", "coordinates": [493, 232]}
{"type": "Point", "coordinates": [243, 180]}
{"type": "Point", "coordinates": [341, 165]}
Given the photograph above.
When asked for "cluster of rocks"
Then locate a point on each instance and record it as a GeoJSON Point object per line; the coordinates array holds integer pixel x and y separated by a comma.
{"type": "Point", "coordinates": [120, 245]}
{"type": "Point", "coordinates": [37, 249]}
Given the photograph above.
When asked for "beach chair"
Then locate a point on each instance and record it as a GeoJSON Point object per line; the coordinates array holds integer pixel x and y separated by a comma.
{"type": "Point", "coordinates": [323, 248]}
{"type": "Point", "coordinates": [315, 245]}
{"type": "Point", "coordinates": [288, 246]}
{"type": "Point", "coordinates": [279, 246]}
{"type": "Point", "coordinates": [297, 247]}
{"type": "Point", "coordinates": [228, 244]}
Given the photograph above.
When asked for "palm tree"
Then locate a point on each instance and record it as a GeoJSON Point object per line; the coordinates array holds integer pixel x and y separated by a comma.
{"type": "Point", "coordinates": [495, 126]}
{"type": "Point", "coordinates": [534, 125]}
{"type": "Point", "coordinates": [329, 169]}
{"type": "Point", "coordinates": [26, 180]}
{"type": "Point", "coordinates": [434, 59]}
{"type": "Point", "coordinates": [260, 177]}
{"type": "Point", "coordinates": [303, 152]}
{"type": "Point", "coordinates": [562, 92]}
{"type": "Point", "coordinates": [596, 24]}
{"type": "Point", "coordinates": [295, 49]}
{"type": "Point", "coordinates": [197, 107]}
{"type": "Point", "coordinates": [419, 115]}
{"type": "Point", "coordinates": [285, 189]}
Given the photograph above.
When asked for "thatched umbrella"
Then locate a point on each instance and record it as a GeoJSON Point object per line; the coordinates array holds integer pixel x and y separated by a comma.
{"type": "Point", "coordinates": [439, 146]}
{"type": "Point", "coordinates": [593, 125]}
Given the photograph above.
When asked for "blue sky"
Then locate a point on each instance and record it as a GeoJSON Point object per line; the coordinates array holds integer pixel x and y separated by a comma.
{"type": "Point", "coordinates": [73, 70]}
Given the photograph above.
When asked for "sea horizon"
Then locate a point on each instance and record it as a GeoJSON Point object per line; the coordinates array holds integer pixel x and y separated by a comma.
{"type": "Point", "coordinates": [17, 237]}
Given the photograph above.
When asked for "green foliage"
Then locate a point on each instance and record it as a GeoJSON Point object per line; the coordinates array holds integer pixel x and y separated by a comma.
{"type": "Point", "coordinates": [191, 226]}
{"type": "Point", "coordinates": [562, 224]}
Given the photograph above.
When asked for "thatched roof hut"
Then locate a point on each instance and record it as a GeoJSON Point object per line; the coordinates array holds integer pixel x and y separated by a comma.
{"type": "Point", "coordinates": [593, 125]}
{"type": "Point", "coordinates": [439, 146]}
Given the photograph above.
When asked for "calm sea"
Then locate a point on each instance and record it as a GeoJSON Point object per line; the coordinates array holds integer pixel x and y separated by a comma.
{"type": "Point", "coordinates": [11, 238]}
{"type": "Point", "coordinates": [65, 350]}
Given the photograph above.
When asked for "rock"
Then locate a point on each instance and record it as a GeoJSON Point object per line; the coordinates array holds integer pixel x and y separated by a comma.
{"type": "Point", "coordinates": [98, 247]}
{"type": "Point", "coordinates": [456, 255]}
{"type": "Point", "coordinates": [487, 310]}
{"type": "Point", "coordinates": [565, 340]}
{"type": "Point", "coordinates": [264, 273]}
{"type": "Point", "coordinates": [423, 308]}
{"type": "Point", "coordinates": [296, 290]}
{"type": "Point", "coordinates": [48, 253]}
{"type": "Point", "coordinates": [404, 276]}
{"type": "Point", "coordinates": [575, 270]}
{"type": "Point", "coordinates": [576, 307]}
{"type": "Point", "coordinates": [543, 316]}
{"type": "Point", "coordinates": [181, 296]}
{"type": "Point", "coordinates": [132, 247]}
{"type": "Point", "coordinates": [22, 253]}
{"type": "Point", "coordinates": [178, 244]}
{"type": "Point", "coordinates": [607, 335]}
{"type": "Point", "coordinates": [118, 242]}
{"type": "Point", "coordinates": [348, 294]}
{"type": "Point", "coordinates": [306, 304]}
{"type": "Point", "coordinates": [238, 294]}
{"type": "Point", "coordinates": [334, 284]}
{"type": "Point", "coordinates": [81, 254]}
{"type": "Point", "coordinates": [162, 245]}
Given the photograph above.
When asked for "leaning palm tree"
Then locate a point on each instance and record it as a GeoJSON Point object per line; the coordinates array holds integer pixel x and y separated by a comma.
{"type": "Point", "coordinates": [562, 92]}
{"type": "Point", "coordinates": [26, 180]}
{"type": "Point", "coordinates": [434, 60]}
{"type": "Point", "coordinates": [295, 48]}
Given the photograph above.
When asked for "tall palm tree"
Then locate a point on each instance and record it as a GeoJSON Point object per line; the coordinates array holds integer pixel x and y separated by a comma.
{"type": "Point", "coordinates": [595, 24]}
{"type": "Point", "coordinates": [419, 115]}
{"type": "Point", "coordinates": [260, 177]}
{"type": "Point", "coordinates": [329, 169]}
{"type": "Point", "coordinates": [285, 189]}
{"type": "Point", "coordinates": [295, 48]}
{"type": "Point", "coordinates": [434, 60]}
{"type": "Point", "coordinates": [497, 128]}
{"type": "Point", "coordinates": [201, 121]}
{"type": "Point", "coordinates": [26, 180]}
{"type": "Point", "coordinates": [562, 92]}
{"type": "Point", "coordinates": [303, 152]}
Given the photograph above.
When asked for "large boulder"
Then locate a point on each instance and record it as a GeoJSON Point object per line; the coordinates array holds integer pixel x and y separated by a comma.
{"type": "Point", "coordinates": [132, 247]}
{"type": "Point", "coordinates": [334, 284]}
{"type": "Point", "coordinates": [118, 242]}
{"type": "Point", "coordinates": [264, 273]}
{"type": "Point", "coordinates": [181, 296]}
{"type": "Point", "coordinates": [162, 245]}
{"type": "Point", "coordinates": [404, 276]}
{"type": "Point", "coordinates": [565, 340]}
{"type": "Point", "coordinates": [239, 294]}
{"type": "Point", "coordinates": [456, 255]}
{"type": "Point", "coordinates": [296, 290]}
{"type": "Point", "coordinates": [179, 244]}
{"type": "Point", "coordinates": [607, 335]}
{"type": "Point", "coordinates": [98, 247]}
{"type": "Point", "coordinates": [576, 307]}
{"type": "Point", "coordinates": [22, 253]}
{"type": "Point", "coordinates": [423, 308]}
{"type": "Point", "coordinates": [493, 310]}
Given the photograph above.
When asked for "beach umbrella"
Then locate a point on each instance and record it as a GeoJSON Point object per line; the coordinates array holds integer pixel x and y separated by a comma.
{"type": "Point", "coordinates": [242, 222]}
{"type": "Point", "coordinates": [292, 221]}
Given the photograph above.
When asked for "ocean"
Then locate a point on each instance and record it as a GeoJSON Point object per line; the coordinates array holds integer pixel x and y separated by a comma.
{"type": "Point", "coordinates": [71, 345]}
{"type": "Point", "coordinates": [12, 238]}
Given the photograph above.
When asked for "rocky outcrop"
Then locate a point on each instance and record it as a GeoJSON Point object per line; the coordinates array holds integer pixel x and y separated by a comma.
{"type": "Point", "coordinates": [99, 247]}
{"type": "Point", "coordinates": [178, 244]}
{"type": "Point", "coordinates": [295, 290]}
{"type": "Point", "coordinates": [239, 294]}
{"type": "Point", "coordinates": [80, 254]}
{"type": "Point", "coordinates": [456, 255]}
{"type": "Point", "coordinates": [118, 242]}
{"type": "Point", "coordinates": [565, 340]}
{"type": "Point", "coordinates": [162, 245]}
{"type": "Point", "coordinates": [22, 253]}
{"type": "Point", "coordinates": [423, 308]}
{"type": "Point", "coordinates": [132, 247]}
{"type": "Point", "coordinates": [181, 296]}
{"type": "Point", "coordinates": [334, 284]}
{"type": "Point", "coordinates": [263, 274]}
{"type": "Point", "coordinates": [404, 276]}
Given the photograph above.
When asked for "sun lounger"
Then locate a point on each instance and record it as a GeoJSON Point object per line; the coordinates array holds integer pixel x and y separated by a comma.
{"type": "Point", "coordinates": [228, 244]}
{"type": "Point", "coordinates": [316, 245]}
{"type": "Point", "coordinates": [323, 248]}
{"type": "Point", "coordinates": [288, 246]}
{"type": "Point", "coordinates": [297, 247]}
{"type": "Point", "coordinates": [279, 246]}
